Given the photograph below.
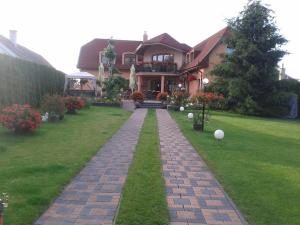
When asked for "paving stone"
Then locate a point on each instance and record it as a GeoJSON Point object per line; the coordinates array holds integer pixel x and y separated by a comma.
{"type": "Point", "coordinates": [194, 196]}
{"type": "Point", "coordinates": [93, 195]}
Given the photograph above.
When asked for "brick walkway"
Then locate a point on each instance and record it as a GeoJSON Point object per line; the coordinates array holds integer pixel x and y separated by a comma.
{"type": "Point", "coordinates": [194, 196]}
{"type": "Point", "coordinates": [93, 195]}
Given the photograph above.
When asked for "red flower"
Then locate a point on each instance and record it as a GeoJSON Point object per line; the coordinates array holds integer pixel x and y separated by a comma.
{"type": "Point", "coordinates": [20, 118]}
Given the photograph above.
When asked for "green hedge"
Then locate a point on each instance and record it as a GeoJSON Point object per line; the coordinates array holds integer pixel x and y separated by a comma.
{"type": "Point", "coordinates": [26, 82]}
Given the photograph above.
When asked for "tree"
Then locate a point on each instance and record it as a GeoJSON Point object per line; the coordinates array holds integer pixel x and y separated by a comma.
{"type": "Point", "coordinates": [249, 72]}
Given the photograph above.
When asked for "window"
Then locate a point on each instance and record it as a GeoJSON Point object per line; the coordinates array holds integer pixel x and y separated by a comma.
{"type": "Point", "coordinates": [129, 59]}
{"type": "Point", "coordinates": [187, 58]}
{"type": "Point", "coordinates": [163, 58]}
{"type": "Point", "coordinates": [229, 51]}
{"type": "Point", "coordinates": [192, 56]}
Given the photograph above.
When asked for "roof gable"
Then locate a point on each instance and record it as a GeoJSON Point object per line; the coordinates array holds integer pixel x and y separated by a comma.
{"type": "Point", "coordinates": [204, 48]}
{"type": "Point", "coordinates": [168, 40]}
{"type": "Point", "coordinates": [89, 53]}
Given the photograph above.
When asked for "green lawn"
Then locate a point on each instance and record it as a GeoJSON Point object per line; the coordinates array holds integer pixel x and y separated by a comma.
{"type": "Point", "coordinates": [144, 199]}
{"type": "Point", "coordinates": [35, 167]}
{"type": "Point", "coordinates": [258, 163]}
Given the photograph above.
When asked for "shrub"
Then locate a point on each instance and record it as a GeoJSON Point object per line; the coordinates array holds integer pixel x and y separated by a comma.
{"type": "Point", "coordinates": [55, 106]}
{"type": "Point", "coordinates": [137, 96]}
{"type": "Point", "coordinates": [73, 103]}
{"type": "Point", "coordinates": [20, 118]}
{"type": "Point", "coordinates": [178, 98]}
{"type": "Point", "coordinates": [162, 96]}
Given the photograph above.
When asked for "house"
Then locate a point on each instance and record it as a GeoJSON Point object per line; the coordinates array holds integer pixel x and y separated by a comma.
{"type": "Point", "coordinates": [161, 62]}
{"type": "Point", "coordinates": [12, 48]}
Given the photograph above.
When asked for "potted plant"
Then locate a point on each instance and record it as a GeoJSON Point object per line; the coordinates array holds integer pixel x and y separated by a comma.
{"type": "Point", "coordinates": [138, 98]}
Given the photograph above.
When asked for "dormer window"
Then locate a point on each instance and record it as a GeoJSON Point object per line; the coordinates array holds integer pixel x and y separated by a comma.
{"type": "Point", "coordinates": [102, 58]}
{"type": "Point", "coordinates": [129, 58]}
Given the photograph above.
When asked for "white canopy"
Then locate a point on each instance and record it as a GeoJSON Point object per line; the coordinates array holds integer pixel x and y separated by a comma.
{"type": "Point", "coordinates": [80, 75]}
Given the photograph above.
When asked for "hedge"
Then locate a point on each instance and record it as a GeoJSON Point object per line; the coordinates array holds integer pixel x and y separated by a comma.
{"type": "Point", "coordinates": [26, 82]}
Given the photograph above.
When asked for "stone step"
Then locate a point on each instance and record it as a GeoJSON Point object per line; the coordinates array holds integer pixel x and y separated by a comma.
{"type": "Point", "coordinates": [151, 105]}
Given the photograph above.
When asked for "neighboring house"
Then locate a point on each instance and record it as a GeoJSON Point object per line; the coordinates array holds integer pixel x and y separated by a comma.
{"type": "Point", "coordinates": [161, 62]}
{"type": "Point", "coordinates": [11, 48]}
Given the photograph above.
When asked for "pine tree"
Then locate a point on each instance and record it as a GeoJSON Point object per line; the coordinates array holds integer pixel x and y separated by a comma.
{"type": "Point", "coordinates": [250, 71]}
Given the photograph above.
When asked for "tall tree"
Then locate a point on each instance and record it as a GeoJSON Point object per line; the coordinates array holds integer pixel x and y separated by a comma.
{"type": "Point", "coordinates": [250, 70]}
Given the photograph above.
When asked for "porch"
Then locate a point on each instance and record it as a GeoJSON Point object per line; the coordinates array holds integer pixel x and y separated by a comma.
{"type": "Point", "coordinates": [150, 84]}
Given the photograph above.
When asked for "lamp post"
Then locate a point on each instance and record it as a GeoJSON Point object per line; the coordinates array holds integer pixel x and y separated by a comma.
{"type": "Point", "coordinates": [205, 81]}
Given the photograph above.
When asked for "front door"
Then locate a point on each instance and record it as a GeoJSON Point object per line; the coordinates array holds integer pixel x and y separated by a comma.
{"type": "Point", "coordinates": [155, 85]}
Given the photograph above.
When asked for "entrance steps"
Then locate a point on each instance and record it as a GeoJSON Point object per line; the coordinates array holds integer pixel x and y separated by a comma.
{"type": "Point", "coordinates": [151, 104]}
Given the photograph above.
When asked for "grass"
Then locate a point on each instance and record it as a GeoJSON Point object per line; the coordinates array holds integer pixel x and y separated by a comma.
{"type": "Point", "coordinates": [258, 163]}
{"type": "Point", "coordinates": [144, 199]}
{"type": "Point", "coordinates": [35, 167]}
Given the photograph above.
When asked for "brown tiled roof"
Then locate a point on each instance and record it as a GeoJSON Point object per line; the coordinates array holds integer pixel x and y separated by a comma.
{"type": "Point", "coordinates": [167, 40]}
{"type": "Point", "coordinates": [23, 53]}
{"type": "Point", "coordinates": [203, 49]}
{"type": "Point", "coordinates": [89, 53]}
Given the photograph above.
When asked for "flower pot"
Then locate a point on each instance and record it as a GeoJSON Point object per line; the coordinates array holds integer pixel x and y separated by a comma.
{"type": "Point", "coordinates": [198, 126]}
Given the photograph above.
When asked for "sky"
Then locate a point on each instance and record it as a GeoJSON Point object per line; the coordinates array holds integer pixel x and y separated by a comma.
{"type": "Point", "coordinates": [56, 29]}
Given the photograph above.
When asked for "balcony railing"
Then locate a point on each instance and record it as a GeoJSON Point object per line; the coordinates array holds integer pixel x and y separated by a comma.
{"type": "Point", "coordinates": [165, 67]}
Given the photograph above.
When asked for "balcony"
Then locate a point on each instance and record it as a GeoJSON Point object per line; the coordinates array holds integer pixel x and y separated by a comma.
{"type": "Point", "coordinates": [164, 67]}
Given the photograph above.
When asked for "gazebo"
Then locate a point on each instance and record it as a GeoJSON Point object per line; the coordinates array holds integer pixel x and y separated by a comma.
{"type": "Point", "coordinates": [80, 84]}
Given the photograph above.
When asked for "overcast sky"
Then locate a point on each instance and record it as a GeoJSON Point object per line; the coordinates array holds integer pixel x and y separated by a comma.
{"type": "Point", "coordinates": [57, 29]}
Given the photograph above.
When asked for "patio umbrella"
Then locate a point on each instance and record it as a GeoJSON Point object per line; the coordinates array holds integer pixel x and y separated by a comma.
{"type": "Point", "coordinates": [132, 78]}
{"type": "Point", "coordinates": [101, 77]}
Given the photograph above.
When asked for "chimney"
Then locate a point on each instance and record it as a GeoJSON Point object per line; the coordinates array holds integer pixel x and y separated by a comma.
{"type": "Point", "coordinates": [145, 36]}
{"type": "Point", "coordinates": [13, 36]}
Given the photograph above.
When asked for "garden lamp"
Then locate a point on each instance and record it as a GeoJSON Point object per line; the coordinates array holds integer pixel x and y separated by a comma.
{"type": "Point", "coordinates": [219, 134]}
{"type": "Point", "coordinates": [205, 81]}
{"type": "Point", "coordinates": [181, 108]}
{"type": "Point", "coordinates": [190, 115]}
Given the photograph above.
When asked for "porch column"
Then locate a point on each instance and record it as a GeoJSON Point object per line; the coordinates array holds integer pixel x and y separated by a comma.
{"type": "Point", "coordinates": [139, 83]}
{"type": "Point", "coordinates": [162, 84]}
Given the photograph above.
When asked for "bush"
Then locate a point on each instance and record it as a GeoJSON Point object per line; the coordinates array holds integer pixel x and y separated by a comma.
{"type": "Point", "coordinates": [73, 103]}
{"type": "Point", "coordinates": [178, 98]}
{"type": "Point", "coordinates": [137, 96]}
{"type": "Point", "coordinates": [162, 96]}
{"type": "Point", "coordinates": [55, 106]}
{"type": "Point", "coordinates": [20, 118]}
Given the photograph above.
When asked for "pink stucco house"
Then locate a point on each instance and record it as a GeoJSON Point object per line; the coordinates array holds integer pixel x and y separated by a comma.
{"type": "Point", "coordinates": [161, 62]}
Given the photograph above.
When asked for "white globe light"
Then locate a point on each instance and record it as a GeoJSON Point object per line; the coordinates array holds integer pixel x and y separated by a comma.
{"type": "Point", "coordinates": [179, 85]}
{"type": "Point", "coordinates": [219, 134]}
{"type": "Point", "coordinates": [205, 81]}
{"type": "Point", "coordinates": [181, 108]}
{"type": "Point", "coordinates": [190, 115]}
